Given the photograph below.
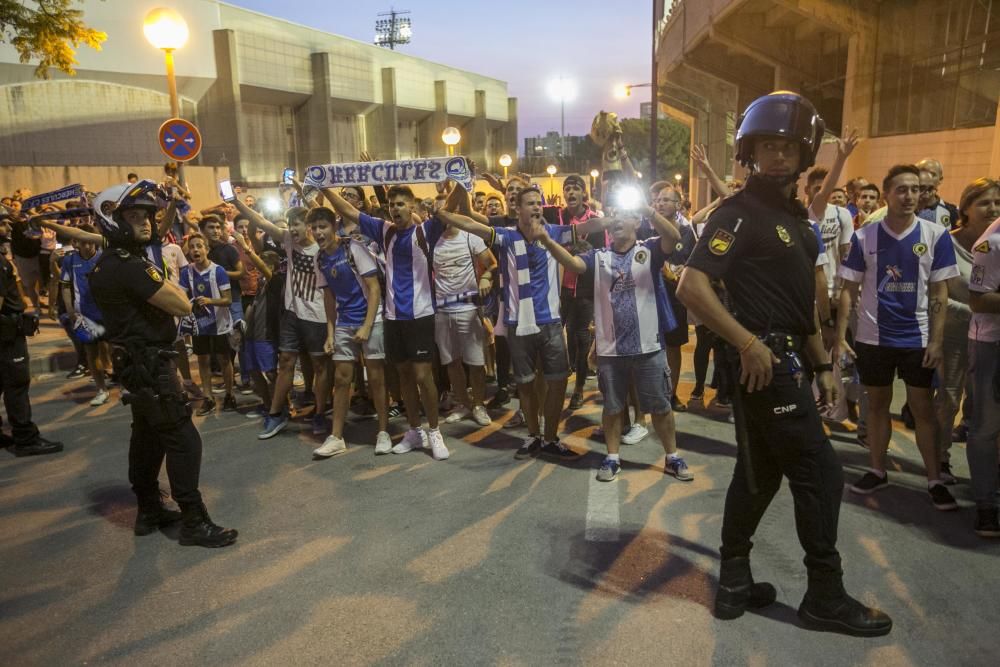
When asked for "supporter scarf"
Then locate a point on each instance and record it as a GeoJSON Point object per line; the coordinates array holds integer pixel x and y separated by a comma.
{"type": "Point", "coordinates": [391, 172]}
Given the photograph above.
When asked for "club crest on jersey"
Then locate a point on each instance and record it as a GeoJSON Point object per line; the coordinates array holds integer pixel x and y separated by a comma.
{"type": "Point", "coordinates": [919, 249]}
{"type": "Point", "coordinates": [977, 275]}
{"type": "Point", "coordinates": [783, 235]}
{"type": "Point", "coordinates": [946, 220]}
{"type": "Point", "coordinates": [982, 247]}
{"type": "Point", "coordinates": [641, 256]}
{"type": "Point", "coordinates": [721, 242]}
{"type": "Point", "coordinates": [154, 274]}
{"type": "Point", "coordinates": [201, 288]}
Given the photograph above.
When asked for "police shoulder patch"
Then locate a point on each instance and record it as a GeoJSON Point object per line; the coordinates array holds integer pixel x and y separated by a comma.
{"type": "Point", "coordinates": [982, 247]}
{"type": "Point", "coordinates": [154, 274]}
{"type": "Point", "coordinates": [721, 242]}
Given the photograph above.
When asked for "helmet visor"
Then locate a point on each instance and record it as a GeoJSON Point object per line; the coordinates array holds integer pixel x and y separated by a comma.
{"type": "Point", "coordinates": [143, 193]}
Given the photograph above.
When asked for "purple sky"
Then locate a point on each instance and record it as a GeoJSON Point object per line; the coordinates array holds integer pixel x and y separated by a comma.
{"type": "Point", "coordinates": [596, 44]}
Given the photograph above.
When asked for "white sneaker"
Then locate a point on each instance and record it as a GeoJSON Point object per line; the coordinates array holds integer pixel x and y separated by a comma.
{"type": "Point", "coordinates": [383, 444]}
{"type": "Point", "coordinates": [635, 434]}
{"type": "Point", "coordinates": [438, 448]}
{"type": "Point", "coordinates": [457, 415]}
{"type": "Point", "coordinates": [331, 447]}
{"type": "Point", "coordinates": [101, 398]}
{"type": "Point", "coordinates": [480, 416]}
{"type": "Point", "coordinates": [415, 438]}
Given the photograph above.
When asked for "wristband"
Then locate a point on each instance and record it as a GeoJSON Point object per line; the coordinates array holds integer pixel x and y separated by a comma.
{"type": "Point", "coordinates": [746, 345]}
{"type": "Point", "coordinates": [823, 368]}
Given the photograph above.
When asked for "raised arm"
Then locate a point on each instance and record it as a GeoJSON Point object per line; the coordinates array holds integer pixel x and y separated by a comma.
{"type": "Point", "coordinates": [700, 159]}
{"type": "Point", "coordinates": [256, 219]}
{"type": "Point", "coordinates": [669, 233]}
{"type": "Point", "coordinates": [167, 221]}
{"type": "Point", "coordinates": [72, 233]}
{"type": "Point", "coordinates": [255, 259]}
{"type": "Point", "coordinates": [561, 255]}
{"type": "Point", "coordinates": [845, 146]}
{"type": "Point", "coordinates": [467, 224]}
{"type": "Point", "coordinates": [343, 207]}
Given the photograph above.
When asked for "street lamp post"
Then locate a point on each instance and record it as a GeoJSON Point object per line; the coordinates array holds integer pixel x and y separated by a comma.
{"type": "Point", "coordinates": [625, 90]}
{"type": "Point", "coordinates": [450, 137]}
{"type": "Point", "coordinates": [678, 177]}
{"type": "Point", "coordinates": [562, 89]}
{"type": "Point", "coordinates": [551, 171]}
{"type": "Point", "coordinates": [593, 182]}
{"type": "Point", "coordinates": [505, 161]}
{"type": "Point", "coordinates": [167, 30]}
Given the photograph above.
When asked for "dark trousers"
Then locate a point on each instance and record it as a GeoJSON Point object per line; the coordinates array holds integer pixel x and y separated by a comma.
{"type": "Point", "coordinates": [577, 314]}
{"type": "Point", "coordinates": [786, 438]}
{"type": "Point", "coordinates": [15, 381]}
{"type": "Point", "coordinates": [503, 362]}
{"type": "Point", "coordinates": [703, 347]}
{"type": "Point", "coordinates": [162, 428]}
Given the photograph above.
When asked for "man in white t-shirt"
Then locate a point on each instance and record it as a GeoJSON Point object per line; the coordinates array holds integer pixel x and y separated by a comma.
{"type": "Point", "coordinates": [458, 324]}
{"type": "Point", "coordinates": [303, 319]}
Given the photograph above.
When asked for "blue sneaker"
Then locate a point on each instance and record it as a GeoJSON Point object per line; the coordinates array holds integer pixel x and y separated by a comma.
{"type": "Point", "coordinates": [609, 470]}
{"type": "Point", "coordinates": [676, 467]}
{"type": "Point", "coordinates": [273, 426]}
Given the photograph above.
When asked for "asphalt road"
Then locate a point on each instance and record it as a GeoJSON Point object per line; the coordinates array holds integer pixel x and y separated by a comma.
{"type": "Point", "coordinates": [480, 559]}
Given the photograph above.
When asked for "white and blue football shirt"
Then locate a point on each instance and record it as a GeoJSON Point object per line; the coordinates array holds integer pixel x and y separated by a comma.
{"type": "Point", "coordinates": [630, 300]}
{"type": "Point", "coordinates": [74, 274]}
{"type": "Point", "coordinates": [210, 283]}
{"type": "Point", "coordinates": [408, 282]}
{"type": "Point", "coordinates": [334, 272]}
{"type": "Point", "coordinates": [941, 213]}
{"type": "Point", "coordinates": [895, 272]}
{"type": "Point", "coordinates": [530, 272]}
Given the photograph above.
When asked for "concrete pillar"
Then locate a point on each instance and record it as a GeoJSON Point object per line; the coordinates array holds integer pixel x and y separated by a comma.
{"type": "Point", "coordinates": [475, 135]}
{"type": "Point", "coordinates": [382, 124]}
{"type": "Point", "coordinates": [508, 138]}
{"type": "Point", "coordinates": [859, 93]}
{"type": "Point", "coordinates": [995, 155]}
{"type": "Point", "coordinates": [433, 125]}
{"type": "Point", "coordinates": [313, 118]}
{"type": "Point", "coordinates": [219, 110]}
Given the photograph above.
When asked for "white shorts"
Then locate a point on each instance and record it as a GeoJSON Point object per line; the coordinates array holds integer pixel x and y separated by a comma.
{"type": "Point", "coordinates": [345, 348]}
{"type": "Point", "coordinates": [459, 335]}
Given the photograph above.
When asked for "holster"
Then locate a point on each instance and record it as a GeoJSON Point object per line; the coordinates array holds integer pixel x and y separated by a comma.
{"type": "Point", "coordinates": [146, 371]}
{"type": "Point", "coordinates": [16, 325]}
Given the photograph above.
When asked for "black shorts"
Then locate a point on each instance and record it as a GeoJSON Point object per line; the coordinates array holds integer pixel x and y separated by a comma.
{"type": "Point", "coordinates": [878, 366]}
{"type": "Point", "coordinates": [211, 344]}
{"type": "Point", "coordinates": [409, 340]}
{"type": "Point", "coordinates": [677, 336]}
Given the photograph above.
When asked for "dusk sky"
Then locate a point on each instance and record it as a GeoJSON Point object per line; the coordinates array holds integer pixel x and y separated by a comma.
{"type": "Point", "coordinates": [525, 43]}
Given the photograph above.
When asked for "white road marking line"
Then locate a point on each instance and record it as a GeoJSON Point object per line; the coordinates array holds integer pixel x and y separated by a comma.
{"type": "Point", "coordinates": [603, 519]}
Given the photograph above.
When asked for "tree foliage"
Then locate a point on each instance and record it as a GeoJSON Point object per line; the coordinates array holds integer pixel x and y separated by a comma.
{"type": "Point", "coordinates": [674, 146]}
{"type": "Point", "coordinates": [48, 31]}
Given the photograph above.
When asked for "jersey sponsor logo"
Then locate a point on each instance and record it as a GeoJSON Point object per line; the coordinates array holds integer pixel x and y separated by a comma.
{"type": "Point", "coordinates": [154, 274]}
{"type": "Point", "coordinates": [982, 247]}
{"type": "Point", "coordinates": [721, 242]}
{"type": "Point", "coordinates": [783, 235]}
{"type": "Point", "coordinates": [785, 409]}
{"type": "Point", "coordinates": [919, 249]}
{"type": "Point", "coordinates": [977, 275]}
{"type": "Point", "coordinates": [891, 282]}
{"type": "Point", "coordinates": [641, 256]}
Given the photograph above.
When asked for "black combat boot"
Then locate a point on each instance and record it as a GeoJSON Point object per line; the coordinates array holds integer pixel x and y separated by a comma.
{"type": "Point", "coordinates": [841, 613]}
{"type": "Point", "coordinates": [153, 514]}
{"type": "Point", "coordinates": [737, 591]}
{"type": "Point", "coordinates": [198, 529]}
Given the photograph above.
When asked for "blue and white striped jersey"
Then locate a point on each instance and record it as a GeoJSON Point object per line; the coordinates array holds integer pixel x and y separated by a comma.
{"type": "Point", "coordinates": [408, 269]}
{"type": "Point", "coordinates": [210, 283]}
{"type": "Point", "coordinates": [530, 273]}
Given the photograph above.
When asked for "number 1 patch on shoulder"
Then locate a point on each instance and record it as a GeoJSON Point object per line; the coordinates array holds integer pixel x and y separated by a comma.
{"type": "Point", "coordinates": [721, 242]}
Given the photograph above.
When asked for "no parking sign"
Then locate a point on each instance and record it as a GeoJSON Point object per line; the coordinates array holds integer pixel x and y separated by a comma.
{"type": "Point", "coordinates": [179, 140]}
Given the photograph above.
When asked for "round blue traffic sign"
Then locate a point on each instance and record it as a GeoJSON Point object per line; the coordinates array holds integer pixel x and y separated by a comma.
{"type": "Point", "coordinates": [179, 140]}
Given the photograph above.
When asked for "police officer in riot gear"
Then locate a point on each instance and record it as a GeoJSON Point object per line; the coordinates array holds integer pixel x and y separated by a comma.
{"type": "Point", "coordinates": [760, 243]}
{"type": "Point", "coordinates": [15, 368]}
{"type": "Point", "coordinates": [139, 306]}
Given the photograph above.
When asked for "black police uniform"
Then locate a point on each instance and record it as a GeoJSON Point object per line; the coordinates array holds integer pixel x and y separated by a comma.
{"type": "Point", "coordinates": [15, 367]}
{"type": "Point", "coordinates": [760, 243]}
{"type": "Point", "coordinates": [143, 338]}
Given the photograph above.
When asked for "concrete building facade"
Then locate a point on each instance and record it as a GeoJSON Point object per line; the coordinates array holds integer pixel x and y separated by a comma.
{"type": "Point", "coordinates": [917, 78]}
{"type": "Point", "coordinates": [265, 93]}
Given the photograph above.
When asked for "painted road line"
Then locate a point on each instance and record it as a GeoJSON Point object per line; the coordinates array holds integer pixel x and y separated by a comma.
{"type": "Point", "coordinates": [603, 519]}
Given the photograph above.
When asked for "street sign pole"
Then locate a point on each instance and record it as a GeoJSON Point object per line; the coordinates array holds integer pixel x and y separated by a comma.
{"type": "Point", "coordinates": [175, 110]}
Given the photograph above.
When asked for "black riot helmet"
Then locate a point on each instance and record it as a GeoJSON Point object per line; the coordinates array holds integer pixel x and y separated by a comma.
{"type": "Point", "coordinates": [113, 202]}
{"type": "Point", "coordinates": [781, 114]}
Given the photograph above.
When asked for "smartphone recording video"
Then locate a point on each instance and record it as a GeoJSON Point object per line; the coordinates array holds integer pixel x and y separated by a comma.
{"type": "Point", "coordinates": [226, 190]}
{"type": "Point", "coordinates": [287, 176]}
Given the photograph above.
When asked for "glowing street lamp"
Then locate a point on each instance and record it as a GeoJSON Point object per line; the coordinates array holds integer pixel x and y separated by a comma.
{"type": "Point", "coordinates": [505, 161]}
{"type": "Point", "coordinates": [563, 90]}
{"type": "Point", "coordinates": [450, 137]}
{"type": "Point", "coordinates": [167, 30]}
{"type": "Point", "coordinates": [593, 181]}
{"type": "Point", "coordinates": [551, 171]}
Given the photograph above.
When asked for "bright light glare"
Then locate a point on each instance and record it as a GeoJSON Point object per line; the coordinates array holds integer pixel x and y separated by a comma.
{"type": "Point", "coordinates": [506, 160]}
{"type": "Point", "coordinates": [272, 205]}
{"type": "Point", "coordinates": [594, 173]}
{"type": "Point", "coordinates": [622, 91]}
{"type": "Point", "coordinates": [628, 197]}
{"type": "Point", "coordinates": [678, 177]}
{"type": "Point", "coordinates": [451, 136]}
{"type": "Point", "coordinates": [551, 170]}
{"type": "Point", "coordinates": [562, 90]}
{"type": "Point", "coordinates": [165, 29]}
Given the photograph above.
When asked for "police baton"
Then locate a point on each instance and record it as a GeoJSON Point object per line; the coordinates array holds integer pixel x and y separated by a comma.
{"type": "Point", "coordinates": [739, 417]}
